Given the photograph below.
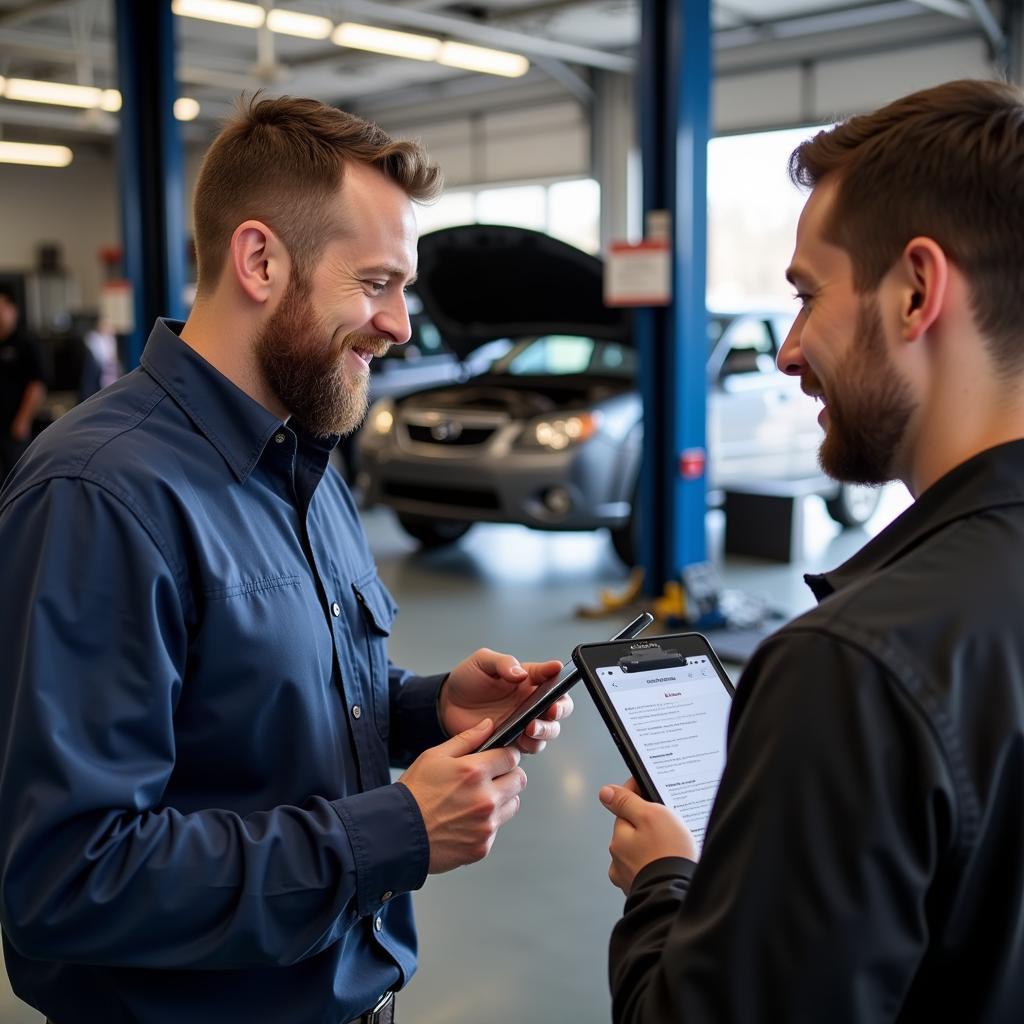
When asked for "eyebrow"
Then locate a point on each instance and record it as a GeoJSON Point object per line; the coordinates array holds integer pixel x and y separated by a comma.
{"type": "Point", "coordinates": [388, 270]}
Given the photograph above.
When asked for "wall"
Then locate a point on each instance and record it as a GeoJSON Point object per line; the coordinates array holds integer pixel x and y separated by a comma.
{"type": "Point", "coordinates": [74, 206]}
{"type": "Point", "coordinates": [533, 130]}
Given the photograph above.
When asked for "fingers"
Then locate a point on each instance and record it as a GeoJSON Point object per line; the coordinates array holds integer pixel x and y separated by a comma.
{"type": "Point", "coordinates": [622, 803]}
{"type": "Point", "coordinates": [631, 785]}
{"type": "Point", "coordinates": [468, 740]}
{"type": "Point", "coordinates": [542, 671]}
{"type": "Point", "coordinates": [499, 761]}
{"type": "Point", "coordinates": [502, 666]}
{"type": "Point", "coordinates": [562, 708]}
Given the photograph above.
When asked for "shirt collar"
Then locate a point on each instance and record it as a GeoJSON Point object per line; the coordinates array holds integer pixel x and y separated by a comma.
{"type": "Point", "coordinates": [235, 424]}
{"type": "Point", "coordinates": [990, 479]}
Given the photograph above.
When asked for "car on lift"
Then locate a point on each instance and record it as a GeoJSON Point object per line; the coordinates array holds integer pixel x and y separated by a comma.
{"type": "Point", "coordinates": [551, 435]}
{"type": "Point", "coordinates": [421, 362]}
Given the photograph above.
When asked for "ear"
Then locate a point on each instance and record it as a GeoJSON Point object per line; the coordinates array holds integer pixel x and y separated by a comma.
{"type": "Point", "coordinates": [924, 280]}
{"type": "Point", "coordinates": [259, 260]}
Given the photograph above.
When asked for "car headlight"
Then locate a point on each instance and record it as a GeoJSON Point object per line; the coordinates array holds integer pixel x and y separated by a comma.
{"type": "Point", "coordinates": [558, 434]}
{"type": "Point", "coordinates": [382, 417]}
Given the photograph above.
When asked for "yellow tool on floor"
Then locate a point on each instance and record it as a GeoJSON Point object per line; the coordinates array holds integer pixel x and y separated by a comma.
{"type": "Point", "coordinates": [670, 607]}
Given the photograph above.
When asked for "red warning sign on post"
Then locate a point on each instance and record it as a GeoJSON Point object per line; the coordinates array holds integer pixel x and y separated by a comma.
{"type": "Point", "coordinates": [638, 273]}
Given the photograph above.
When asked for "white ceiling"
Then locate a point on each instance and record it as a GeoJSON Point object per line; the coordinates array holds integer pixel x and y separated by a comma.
{"type": "Point", "coordinates": [566, 40]}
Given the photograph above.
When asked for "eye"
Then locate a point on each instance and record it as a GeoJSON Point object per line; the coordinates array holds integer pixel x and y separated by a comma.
{"type": "Point", "coordinates": [376, 287]}
{"type": "Point", "coordinates": [804, 298]}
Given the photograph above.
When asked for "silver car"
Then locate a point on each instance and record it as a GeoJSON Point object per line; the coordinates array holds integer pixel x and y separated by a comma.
{"type": "Point", "coordinates": [550, 436]}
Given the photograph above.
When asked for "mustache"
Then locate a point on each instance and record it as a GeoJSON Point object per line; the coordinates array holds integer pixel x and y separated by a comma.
{"type": "Point", "coordinates": [374, 344]}
{"type": "Point", "coordinates": [811, 386]}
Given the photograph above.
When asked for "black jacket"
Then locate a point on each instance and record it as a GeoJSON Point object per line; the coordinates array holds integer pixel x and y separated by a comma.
{"type": "Point", "coordinates": [864, 860]}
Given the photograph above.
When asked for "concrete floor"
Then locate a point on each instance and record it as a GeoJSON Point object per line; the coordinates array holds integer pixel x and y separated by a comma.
{"type": "Point", "coordinates": [523, 935]}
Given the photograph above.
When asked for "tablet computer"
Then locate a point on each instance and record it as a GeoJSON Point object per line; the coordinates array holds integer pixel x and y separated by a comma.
{"type": "Point", "coordinates": [666, 702]}
{"type": "Point", "coordinates": [536, 703]}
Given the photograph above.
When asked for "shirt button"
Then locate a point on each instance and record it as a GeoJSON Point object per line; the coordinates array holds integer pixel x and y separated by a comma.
{"type": "Point", "coordinates": [378, 924]}
{"type": "Point", "coordinates": [279, 438]}
{"type": "Point", "coordinates": [336, 609]}
{"type": "Point", "coordinates": [386, 896]}
{"type": "Point", "coordinates": [357, 711]}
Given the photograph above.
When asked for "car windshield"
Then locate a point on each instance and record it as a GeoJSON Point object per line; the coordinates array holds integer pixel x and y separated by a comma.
{"type": "Point", "coordinates": [559, 355]}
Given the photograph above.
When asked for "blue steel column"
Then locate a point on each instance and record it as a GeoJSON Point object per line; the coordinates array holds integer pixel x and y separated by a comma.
{"type": "Point", "coordinates": [150, 162]}
{"type": "Point", "coordinates": [674, 97]}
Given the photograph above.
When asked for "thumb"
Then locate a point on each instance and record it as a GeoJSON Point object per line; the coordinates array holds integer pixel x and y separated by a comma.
{"type": "Point", "coordinates": [468, 740]}
{"type": "Point", "coordinates": [622, 803]}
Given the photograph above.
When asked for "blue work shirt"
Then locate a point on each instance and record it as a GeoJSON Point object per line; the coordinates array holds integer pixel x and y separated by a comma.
{"type": "Point", "coordinates": [198, 714]}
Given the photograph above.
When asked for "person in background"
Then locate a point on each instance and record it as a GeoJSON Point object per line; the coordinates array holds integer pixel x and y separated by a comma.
{"type": "Point", "coordinates": [864, 859]}
{"type": "Point", "coordinates": [102, 344]}
{"type": "Point", "coordinates": [197, 818]}
{"type": "Point", "coordinates": [22, 382]}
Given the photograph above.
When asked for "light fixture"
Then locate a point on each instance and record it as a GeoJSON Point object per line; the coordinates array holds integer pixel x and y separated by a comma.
{"type": "Point", "coordinates": [34, 154]}
{"type": "Point", "coordinates": [294, 23]}
{"type": "Point", "coordinates": [386, 40]}
{"type": "Point", "coordinates": [226, 12]}
{"type": "Point", "coordinates": [110, 101]}
{"type": "Point", "coordinates": [186, 108]}
{"type": "Point", "coordinates": [479, 58]}
{"type": "Point", "coordinates": [58, 93]}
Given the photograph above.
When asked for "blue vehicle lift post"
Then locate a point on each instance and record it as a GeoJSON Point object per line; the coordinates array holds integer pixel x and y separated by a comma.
{"type": "Point", "coordinates": [674, 100]}
{"type": "Point", "coordinates": [152, 184]}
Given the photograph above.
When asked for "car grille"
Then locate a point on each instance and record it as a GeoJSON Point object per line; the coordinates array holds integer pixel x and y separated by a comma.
{"type": "Point", "coordinates": [462, 497]}
{"type": "Point", "coordinates": [432, 435]}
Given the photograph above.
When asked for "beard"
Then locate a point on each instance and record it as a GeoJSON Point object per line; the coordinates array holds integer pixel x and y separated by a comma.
{"type": "Point", "coordinates": [868, 412]}
{"type": "Point", "coordinates": [311, 375]}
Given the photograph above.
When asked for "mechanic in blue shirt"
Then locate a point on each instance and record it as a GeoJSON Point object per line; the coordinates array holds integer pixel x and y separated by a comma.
{"type": "Point", "coordinates": [197, 820]}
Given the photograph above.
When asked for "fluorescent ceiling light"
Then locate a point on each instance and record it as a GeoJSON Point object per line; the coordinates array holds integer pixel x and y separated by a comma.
{"type": "Point", "coordinates": [227, 12]}
{"type": "Point", "coordinates": [36, 155]}
{"type": "Point", "coordinates": [58, 93]}
{"type": "Point", "coordinates": [385, 40]}
{"type": "Point", "coordinates": [186, 108]}
{"type": "Point", "coordinates": [479, 58]}
{"type": "Point", "coordinates": [293, 23]}
{"type": "Point", "coordinates": [110, 100]}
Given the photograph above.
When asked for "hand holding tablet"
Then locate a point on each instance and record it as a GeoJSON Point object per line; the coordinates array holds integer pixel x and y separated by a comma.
{"type": "Point", "coordinates": [666, 702]}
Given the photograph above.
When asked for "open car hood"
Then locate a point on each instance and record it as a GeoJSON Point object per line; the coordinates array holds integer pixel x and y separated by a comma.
{"type": "Point", "coordinates": [479, 282]}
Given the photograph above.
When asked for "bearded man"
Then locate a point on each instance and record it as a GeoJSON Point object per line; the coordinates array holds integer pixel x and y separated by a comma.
{"type": "Point", "coordinates": [864, 858]}
{"type": "Point", "coordinates": [197, 820]}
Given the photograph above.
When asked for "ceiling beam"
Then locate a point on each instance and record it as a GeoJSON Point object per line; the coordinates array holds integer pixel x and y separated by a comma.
{"type": "Point", "coordinates": [26, 12]}
{"type": "Point", "coordinates": [990, 27]}
{"type": "Point", "coordinates": [574, 82]}
{"type": "Point", "coordinates": [487, 35]}
{"type": "Point", "coordinates": [954, 8]}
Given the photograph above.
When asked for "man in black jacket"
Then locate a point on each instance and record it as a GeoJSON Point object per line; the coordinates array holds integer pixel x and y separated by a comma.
{"type": "Point", "coordinates": [864, 861]}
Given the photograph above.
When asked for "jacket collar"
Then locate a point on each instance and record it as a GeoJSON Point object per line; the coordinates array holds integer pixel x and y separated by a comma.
{"type": "Point", "coordinates": [991, 479]}
{"type": "Point", "coordinates": [235, 424]}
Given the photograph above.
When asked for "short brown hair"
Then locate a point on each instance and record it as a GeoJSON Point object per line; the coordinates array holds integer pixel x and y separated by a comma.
{"type": "Point", "coordinates": [946, 163]}
{"type": "Point", "coordinates": [280, 161]}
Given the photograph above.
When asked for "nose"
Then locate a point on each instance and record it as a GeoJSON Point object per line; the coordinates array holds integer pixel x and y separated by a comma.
{"type": "Point", "coordinates": [790, 359]}
{"type": "Point", "coordinates": [392, 318]}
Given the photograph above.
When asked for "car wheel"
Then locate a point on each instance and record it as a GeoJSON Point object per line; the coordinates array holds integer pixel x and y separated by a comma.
{"type": "Point", "coordinates": [625, 538]}
{"type": "Point", "coordinates": [854, 504]}
{"type": "Point", "coordinates": [432, 533]}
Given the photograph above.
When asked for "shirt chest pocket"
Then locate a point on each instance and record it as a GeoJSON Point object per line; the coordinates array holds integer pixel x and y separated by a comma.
{"type": "Point", "coordinates": [377, 614]}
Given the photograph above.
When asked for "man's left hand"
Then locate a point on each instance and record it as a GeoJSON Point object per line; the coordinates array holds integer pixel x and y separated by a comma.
{"type": "Point", "coordinates": [489, 685]}
{"type": "Point", "coordinates": [644, 832]}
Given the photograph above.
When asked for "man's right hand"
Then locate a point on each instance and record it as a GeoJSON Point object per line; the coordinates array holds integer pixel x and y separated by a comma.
{"type": "Point", "coordinates": [464, 797]}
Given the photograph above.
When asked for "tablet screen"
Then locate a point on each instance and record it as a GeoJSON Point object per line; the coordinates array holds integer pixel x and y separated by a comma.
{"type": "Point", "coordinates": [672, 702]}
